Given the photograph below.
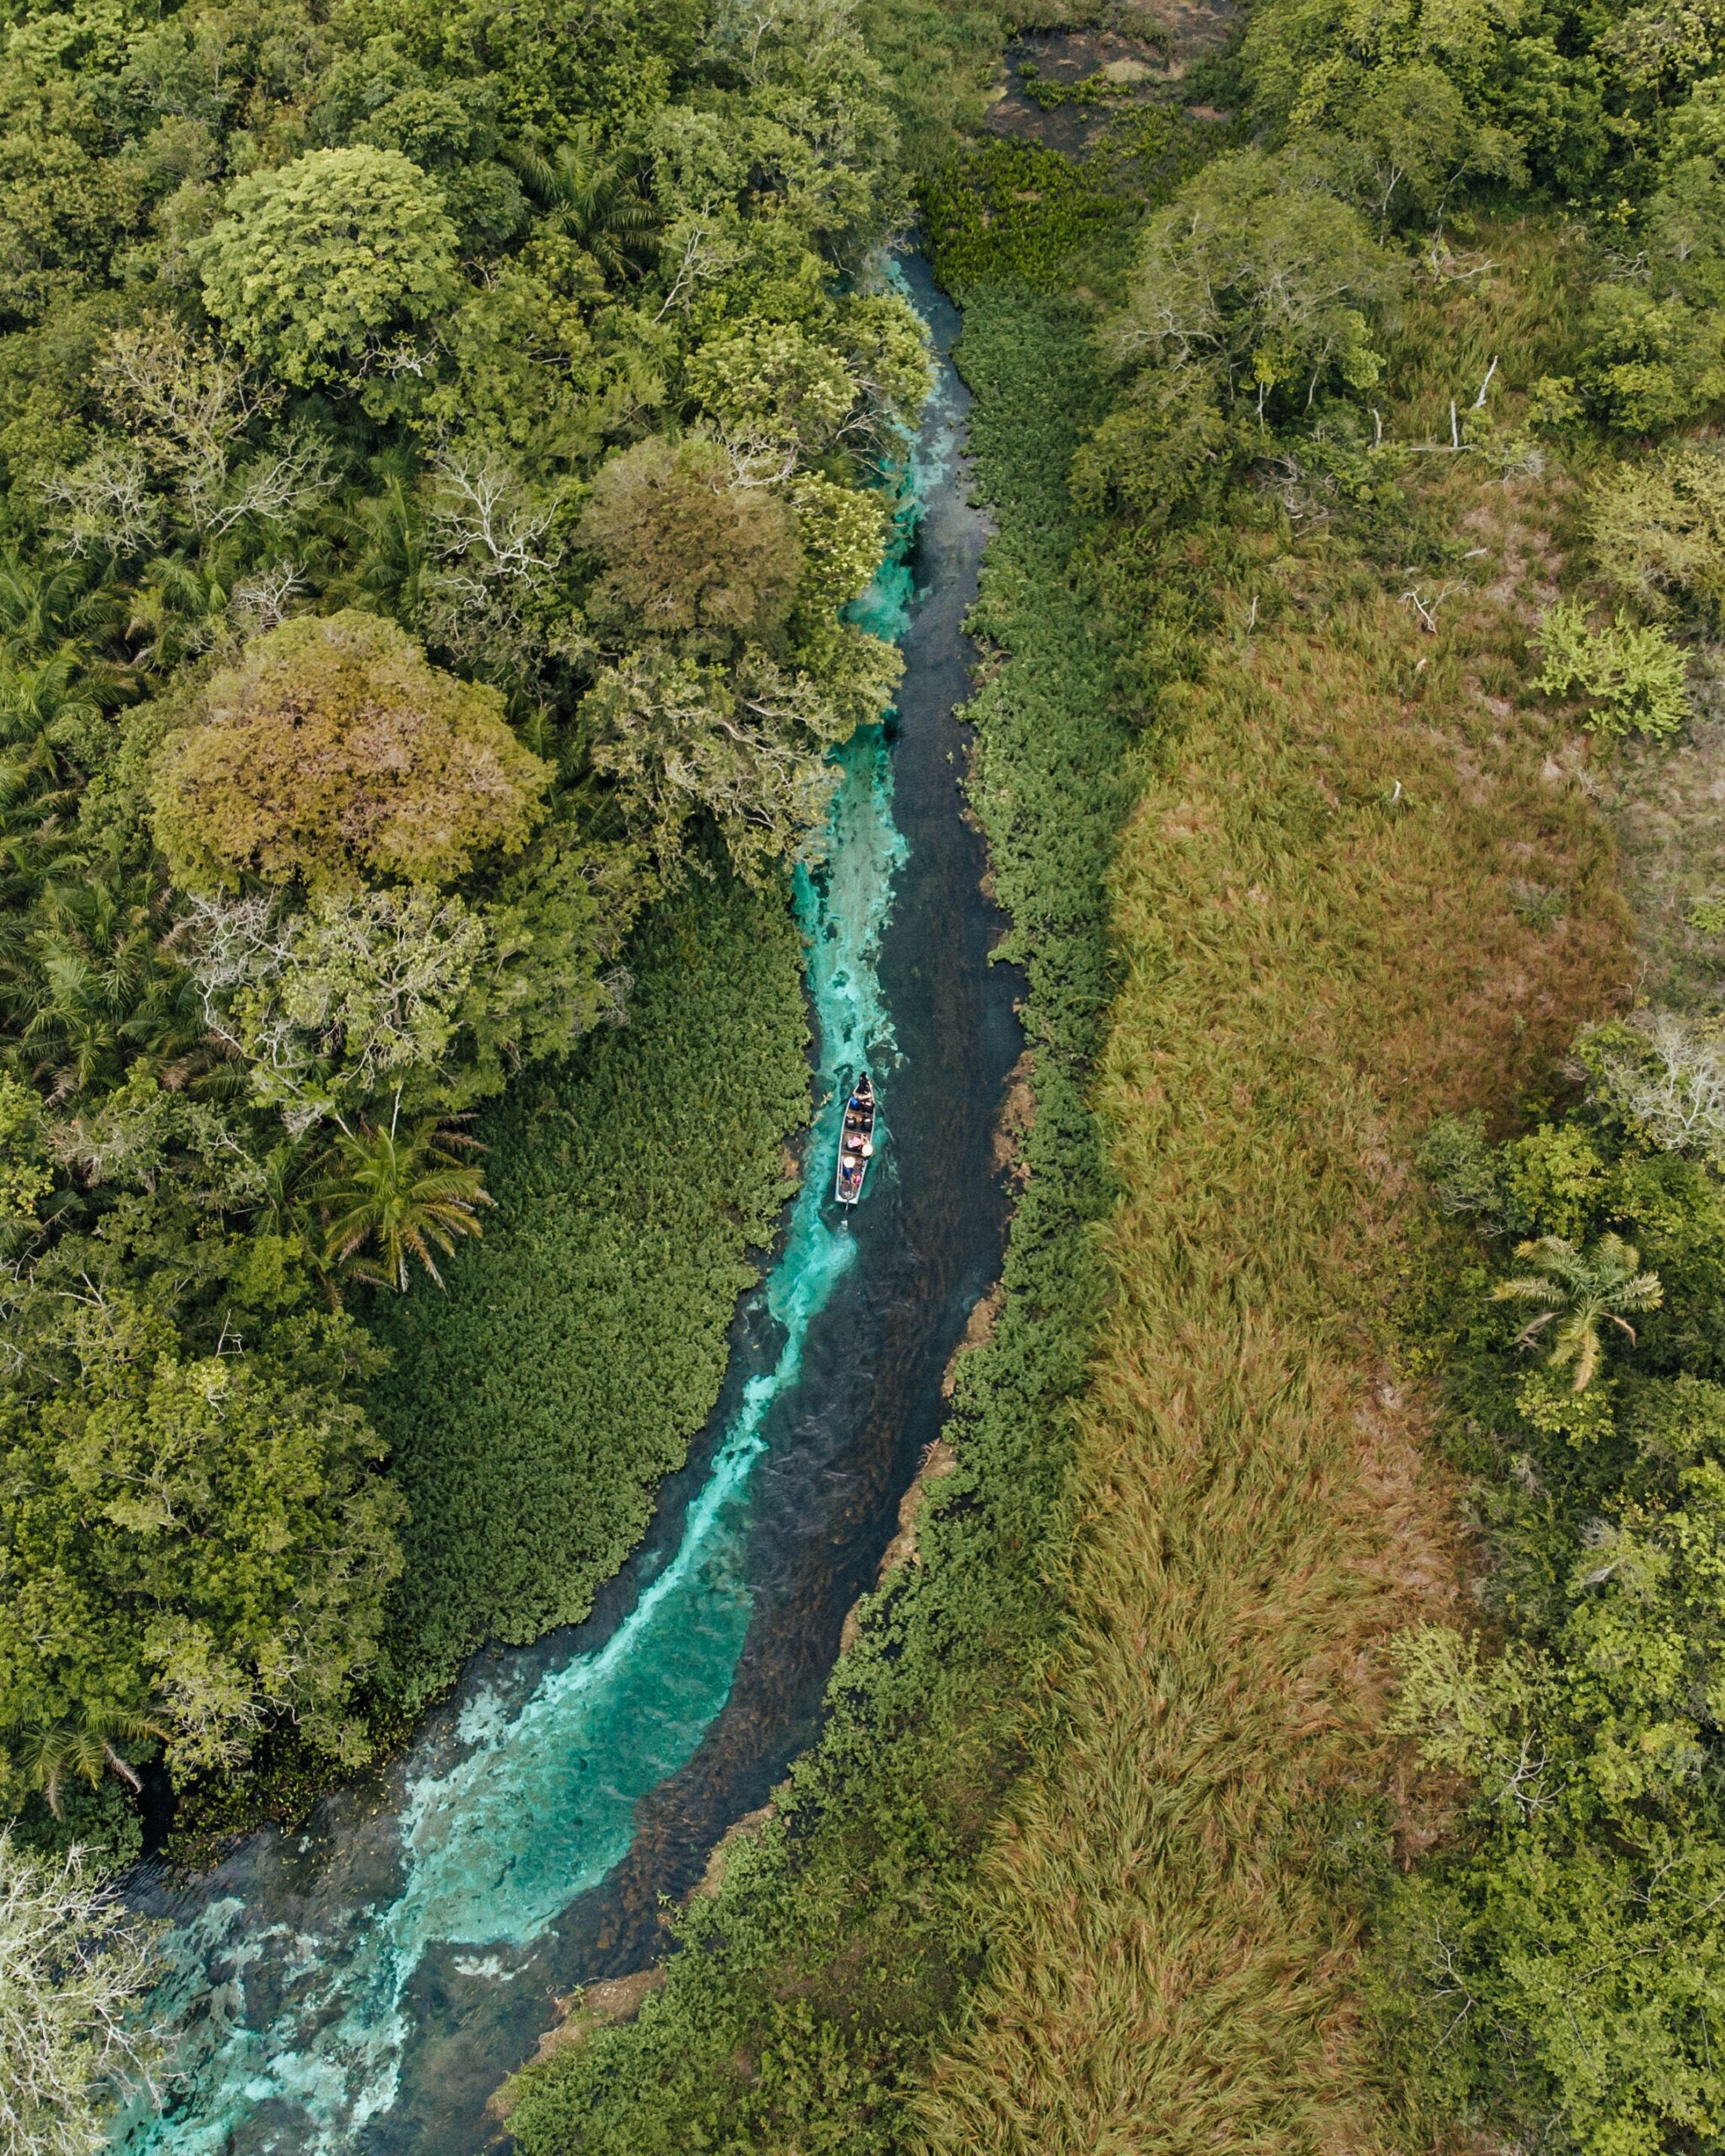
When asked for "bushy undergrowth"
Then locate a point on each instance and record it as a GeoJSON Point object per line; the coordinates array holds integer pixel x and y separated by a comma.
{"type": "Point", "coordinates": [802, 2010]}
{"type": "Point", "coordinates": [1559, 1972]}
{"type": "Point", "coordinates": [531, 1413]}
{"type": "Point", "coordinates": [1017, 213]}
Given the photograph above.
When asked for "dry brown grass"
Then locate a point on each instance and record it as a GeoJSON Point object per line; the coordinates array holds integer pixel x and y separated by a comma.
{"type": "Point", "coordinates": [1312, 973]}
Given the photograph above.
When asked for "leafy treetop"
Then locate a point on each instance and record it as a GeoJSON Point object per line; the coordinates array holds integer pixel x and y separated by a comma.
{"type": "Point", "coordinates": [334, 754]}
{"type": "Point", "coordinates": [316, 262]}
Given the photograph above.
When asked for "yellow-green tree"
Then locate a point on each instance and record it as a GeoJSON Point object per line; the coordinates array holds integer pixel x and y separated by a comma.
{"type": "Point", "coordinates": [334, 755]}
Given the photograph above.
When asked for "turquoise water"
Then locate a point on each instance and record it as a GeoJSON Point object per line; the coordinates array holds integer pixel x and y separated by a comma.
{"type": "Point", "coordinates": [292, 2000]}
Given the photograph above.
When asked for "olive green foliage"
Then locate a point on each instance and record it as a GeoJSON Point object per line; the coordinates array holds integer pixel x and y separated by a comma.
{"type": "Point", "coordinates": [1560, 1971]}
{"type": "Point", "coordinates": [1655, 354]}
{"type": "Point", "coordinates": [1260, 280]}
{"type": "Point", "coordinates": [1255, 314]}
{"type": "Point", "coordinates": [1409, 108]}
{"type": "Point", "coordinates": [317, 262]}
{"type": "Point", "coordinates": [685, 549]}
{"type": "Point", "coordinates": [334, 754]}
{"type": "Point", "coordinates": [1658, 534]}
{"type": "Point", "coordinates": [196, 1537]}
{"type": "Point", "coordinates": [531, 1411]}
{"type": "Point", "coordinates": [1633, 676]}
{"type": "Point", "coordinates": [1417, 100]}
{"type": "Point", "coordinates": [1016, 210]}
{"type": "Point", "coordinates": [811, 1990]}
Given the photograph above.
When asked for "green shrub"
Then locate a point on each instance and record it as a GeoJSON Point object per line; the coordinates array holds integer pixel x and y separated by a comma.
{"type": "Point", "coordinates": [1658, 532]}
{"type": "Point", "coordinates": [318, 261]}
{"type": "Point", "coordinates": [1634, 677]}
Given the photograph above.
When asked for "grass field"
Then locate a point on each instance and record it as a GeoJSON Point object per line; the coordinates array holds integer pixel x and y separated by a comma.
{"type": "Point", "coordinates": [1314, 964]}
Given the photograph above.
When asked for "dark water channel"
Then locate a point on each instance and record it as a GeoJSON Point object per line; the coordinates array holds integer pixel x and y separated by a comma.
{"type": "Point", "coordinates": [360, 1989]}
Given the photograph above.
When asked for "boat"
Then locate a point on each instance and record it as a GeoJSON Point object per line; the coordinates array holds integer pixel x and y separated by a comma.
{"type": "Point", "coordinates": [856, 1141]}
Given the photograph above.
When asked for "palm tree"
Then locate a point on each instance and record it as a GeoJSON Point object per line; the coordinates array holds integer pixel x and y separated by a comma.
{"type": "Point", "coordinates": [1580, 1291]}
{"type": "Point", "coordinates": [179, 609]}
{"type": "Point", "coordinates": [85, 1744]}
{"type": "Point", "coordinates": [51, 714]}
{"type": "Point", "coordinates": [89, 987]}
{"type": "Point", "coordinates": [386, 542]}
{"type": "Point", "coordinates": [399, 1193]}
{"type": "Point", "coordinates": [591, 199]}
{"type": "Point", "coordinates": [38, 607]}
{"type": "Point", "coordinates": [284, 1208]}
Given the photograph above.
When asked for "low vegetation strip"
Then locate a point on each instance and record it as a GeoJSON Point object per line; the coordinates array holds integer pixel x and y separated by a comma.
{"type": "Point", "coordinates": [531, 1413]}
{"type": "Point", "coordinates": [1314, 963]}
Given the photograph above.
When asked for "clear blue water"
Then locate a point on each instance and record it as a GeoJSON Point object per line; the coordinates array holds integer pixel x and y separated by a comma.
{"type": "Point", "coordinates": [361, 1987]}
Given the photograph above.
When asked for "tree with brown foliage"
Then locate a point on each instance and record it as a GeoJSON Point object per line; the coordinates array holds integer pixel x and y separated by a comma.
{"type": "Point", "coordinates": [334, 755]}
{"type": "Point", "coordinates": [686, 550]}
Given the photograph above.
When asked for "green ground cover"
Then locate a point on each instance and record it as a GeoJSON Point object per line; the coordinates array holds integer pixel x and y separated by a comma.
{"type": "Point", "coordinates": [532, 1412]}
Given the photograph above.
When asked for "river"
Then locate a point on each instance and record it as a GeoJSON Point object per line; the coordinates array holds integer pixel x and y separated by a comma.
{"type": "Point", "coordinates": [361, 1988]}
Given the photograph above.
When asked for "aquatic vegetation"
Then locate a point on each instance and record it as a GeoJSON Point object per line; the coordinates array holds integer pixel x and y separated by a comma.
{"type": "Point", "coordinates": [630, 1185]}
{"type": "Point", "coordinates": [847, 1934]}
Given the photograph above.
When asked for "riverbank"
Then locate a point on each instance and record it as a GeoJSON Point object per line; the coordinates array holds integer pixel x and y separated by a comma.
{"type": "Point", "coordinates": [527, 1842]}
{"type": "Point", "coordinates": [845, 1935]}
{"type": "Point", "coordinates": [531, 1448]}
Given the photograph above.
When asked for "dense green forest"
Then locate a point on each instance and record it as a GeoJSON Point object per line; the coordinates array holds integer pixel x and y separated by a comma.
{"type": "Point", "coordinates": [439, 447]}
{"type": "Point", "coordinates": [436, 452]}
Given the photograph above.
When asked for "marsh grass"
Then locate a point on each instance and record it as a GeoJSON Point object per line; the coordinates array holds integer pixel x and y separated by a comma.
{"type": "Point", "coordinates": [1315, 904]}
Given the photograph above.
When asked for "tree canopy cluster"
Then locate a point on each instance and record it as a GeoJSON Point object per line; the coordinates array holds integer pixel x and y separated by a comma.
{"type": "Point", "coordinates": [1266, 289]}
{"type": "Point", "coordinates": [1562, 1969]}
{"type": "Point", "coordinates": [436, 448]}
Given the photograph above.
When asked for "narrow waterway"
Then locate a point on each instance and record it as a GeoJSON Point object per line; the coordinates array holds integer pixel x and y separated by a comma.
{"type": "Point", "coordinates": [362, 1987]}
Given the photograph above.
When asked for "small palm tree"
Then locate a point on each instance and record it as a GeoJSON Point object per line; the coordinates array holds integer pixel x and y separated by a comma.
{"type": "Point", "coordinates": [396, 1192]}
{"type": "Point", "coordinates": [88, 986]}
{"type": "Point", "coordinates": [1580, 1291]}
{"type": "Point", "coordinates": [389, 551]}
{"type": "Point", "coordinates": [594, 200]}
{"type": "Point", "coordinates": [41, 607]}
{"type": "Point", "coordinates": [85, 1744]}
{"type": "Point", "coordinates": [51, 713]}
